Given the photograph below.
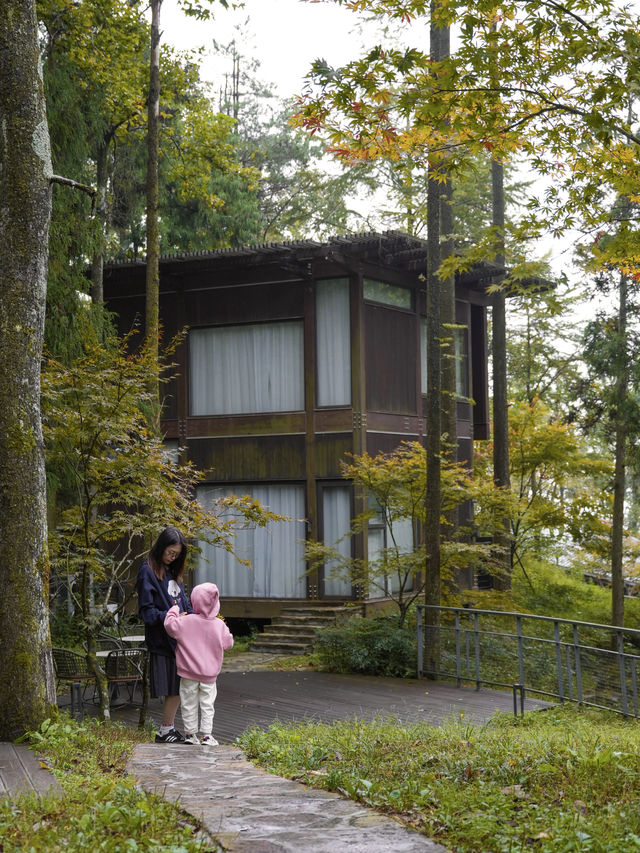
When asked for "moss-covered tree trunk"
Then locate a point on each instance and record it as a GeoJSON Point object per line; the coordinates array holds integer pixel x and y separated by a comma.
{"type": "Point", "coordinates": [28, 690]}
{"type": "Point", "coordinates": [620, 461]}
{"type": "Point", "coordinates": [501, 476]}
{"type": "Point", "coordinates": [152, 307]}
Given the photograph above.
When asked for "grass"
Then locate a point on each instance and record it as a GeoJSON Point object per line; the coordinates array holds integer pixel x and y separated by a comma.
{"type": "Point", "coordinates": [560, 780]}
{"type": "Point", "coordinates": [101, 808]}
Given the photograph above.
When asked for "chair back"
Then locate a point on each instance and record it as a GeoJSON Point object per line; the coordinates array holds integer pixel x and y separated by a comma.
{"type": "Point", "coordinates": [125, 664]}
{"type": "Point", "coordinates": [70, 666]}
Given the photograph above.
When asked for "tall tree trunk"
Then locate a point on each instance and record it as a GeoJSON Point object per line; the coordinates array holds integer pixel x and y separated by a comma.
{"type": "Point", "coordinates": [152, 307]}
{"type": "Point", "coordinates": [499, 356]}
{"type": "Point", "coordinates": [448, 305]}
{"type": "Point", "coordinates": [97, 262]}
{"type": "Point", "coordinates": [25, 207]}
{"type": "Point", "coordinates": [620, 426]}
{"type": "Point", "coordinates": [434, 409]}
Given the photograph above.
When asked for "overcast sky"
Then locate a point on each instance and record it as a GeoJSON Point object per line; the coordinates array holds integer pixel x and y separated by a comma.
{"type": "Point", "coordinates": [284, 35]}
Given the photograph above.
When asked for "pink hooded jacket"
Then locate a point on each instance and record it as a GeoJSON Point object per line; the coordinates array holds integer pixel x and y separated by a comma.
{"type": "Point", "coordinates": [202, 637]}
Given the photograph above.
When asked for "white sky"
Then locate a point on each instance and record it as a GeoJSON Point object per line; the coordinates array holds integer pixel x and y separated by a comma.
{"type": "Point", "coordinates": [284, 35]}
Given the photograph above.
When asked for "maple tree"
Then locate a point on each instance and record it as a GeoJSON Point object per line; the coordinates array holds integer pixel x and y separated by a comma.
{"type": "Point", "coordinates": [120, 485]}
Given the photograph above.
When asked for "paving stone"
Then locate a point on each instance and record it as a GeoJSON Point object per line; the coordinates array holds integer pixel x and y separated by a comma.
{"type": "Point", "coordinates": [249, 809]}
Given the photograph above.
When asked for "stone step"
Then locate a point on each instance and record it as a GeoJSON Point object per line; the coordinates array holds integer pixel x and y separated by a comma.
{"type": "Point", "coordinates": [280, 648]}
{"type": "Point", "coordinates": [318, 611]}
{"type": "Point", "coordinates": [269, 636]}
{"type": "Point", "coordinates": [303, 621]}
{"type": "Point", "coordinates": [293, 631]}
{"type": "Point", "coordinates": [302, 630]}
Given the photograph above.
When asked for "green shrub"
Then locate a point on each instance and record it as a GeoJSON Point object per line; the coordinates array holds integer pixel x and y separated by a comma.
{"type": "Point", "coordinates": [369, 646]}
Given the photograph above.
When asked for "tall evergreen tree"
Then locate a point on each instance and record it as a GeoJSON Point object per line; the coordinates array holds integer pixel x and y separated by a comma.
{"type": "Point", "coordinates": [25, 207]}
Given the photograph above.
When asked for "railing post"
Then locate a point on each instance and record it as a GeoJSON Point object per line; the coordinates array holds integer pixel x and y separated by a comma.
{"type": "Point", "coordinates": [419, 639]}
{"type": "Point", "coordinates": [556, 632]}
{"type": "Point", "coordinates": [77, 707]}
{"type": "Point", "coordinates": [476, 632]}
{"type": "Point", "coordinates": [458, 661]}
{"type": "Point", "coordinates": [520, 649]}
{"type": "Point", "coordinates": [569, 674]}
{"type": "Point", "coordinates": [634, 686]}
{"type": "Point", "coordinates": [623, 675]}
{"type": "Point", "coordinates": [578, 662]}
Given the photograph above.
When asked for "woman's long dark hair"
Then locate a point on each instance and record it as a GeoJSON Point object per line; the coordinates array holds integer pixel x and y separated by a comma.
{"type": "Point", "coordinates": [169, 536]}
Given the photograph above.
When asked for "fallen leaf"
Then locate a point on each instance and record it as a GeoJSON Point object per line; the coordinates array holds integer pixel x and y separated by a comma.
{"type": "Point", "coordinates": [514, 790]}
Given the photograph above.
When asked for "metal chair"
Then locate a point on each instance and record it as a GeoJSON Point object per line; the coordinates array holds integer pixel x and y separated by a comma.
{"type": "Point", "coordinates": [126, 666]}
{"type": "Point", "coordinates": [72, 667]}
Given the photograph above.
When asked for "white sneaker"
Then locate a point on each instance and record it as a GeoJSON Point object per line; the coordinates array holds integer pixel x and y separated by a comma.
{"type": "Point", "coordinates": [191, 738]}
{"type": "Point", "coordinates": [209, 740]}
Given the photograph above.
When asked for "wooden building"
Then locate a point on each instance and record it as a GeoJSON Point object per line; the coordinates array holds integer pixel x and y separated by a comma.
{"type": "Point", "coordinates": [297, 353]}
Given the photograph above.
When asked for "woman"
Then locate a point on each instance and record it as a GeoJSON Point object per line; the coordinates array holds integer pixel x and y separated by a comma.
{"type": "Point", "coordinates": [160, 587]}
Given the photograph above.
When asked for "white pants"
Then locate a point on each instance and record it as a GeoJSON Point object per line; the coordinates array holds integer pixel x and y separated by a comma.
{"type": "Point", "coordinates": [194, 694]}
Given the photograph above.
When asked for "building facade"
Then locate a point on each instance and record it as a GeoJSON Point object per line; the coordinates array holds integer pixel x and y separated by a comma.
{"type": "Point", "coordinates": [296, 354]}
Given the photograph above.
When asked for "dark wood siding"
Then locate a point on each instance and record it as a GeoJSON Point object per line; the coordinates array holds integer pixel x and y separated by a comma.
{"type": "Point", "coordinates": [479, 372]}
{"type": "Point", "coordinates": [244, 304]}
{"type": "Point", "coordinates": [249, 458]}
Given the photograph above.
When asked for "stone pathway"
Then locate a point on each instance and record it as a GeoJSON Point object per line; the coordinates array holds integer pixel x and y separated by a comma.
{"type": "Point", "coordinates": [251, 811]}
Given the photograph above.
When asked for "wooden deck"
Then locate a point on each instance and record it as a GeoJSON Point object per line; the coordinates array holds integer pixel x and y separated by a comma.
{"type": "Point", "coordinates": [261, 697]}
{"type": "Point", "coordinates": [21, 772]}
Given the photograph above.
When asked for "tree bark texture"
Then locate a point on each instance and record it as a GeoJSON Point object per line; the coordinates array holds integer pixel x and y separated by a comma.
{"type": "Point", "coordinates": [97, 263]}
{"type": "Point", "coordinates": [620, 464]}
{"type": "Point", "coordinates": [28, 692]}
{"type": "Point", "coordinates": [499, 357]}
{"type": "Point", "coordinates": [152, 307]}
{"type": "Point", "coordinates": [434, 416]}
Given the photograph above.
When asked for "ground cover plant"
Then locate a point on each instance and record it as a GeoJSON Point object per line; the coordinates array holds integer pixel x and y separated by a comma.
{"type": "Point", "coordinates": [101, 809]}
{"type": "Point", "coordinates": [559, 780]}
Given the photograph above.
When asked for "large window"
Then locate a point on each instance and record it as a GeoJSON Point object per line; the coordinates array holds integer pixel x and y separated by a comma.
{"type": "Point", "coordinates": [336, 518]}
{"type": "Point", "coordinates": [333, 342]}
{"type": "Point", "coordinates": [238, 370]}
{"type": "Point", "coordinates": [386, 294]}
{"type": "Point", "coordinates": [397, 535]}
{"type": "Point", "coordinates": [275, 553]}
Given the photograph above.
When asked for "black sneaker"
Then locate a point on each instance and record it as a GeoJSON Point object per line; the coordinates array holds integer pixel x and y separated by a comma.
{"type": "Point", "coordinates": [173, 736]}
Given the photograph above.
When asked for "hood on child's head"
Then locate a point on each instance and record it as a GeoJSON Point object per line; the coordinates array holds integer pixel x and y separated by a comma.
{"type": "Point", "coordinates": [205, 600]}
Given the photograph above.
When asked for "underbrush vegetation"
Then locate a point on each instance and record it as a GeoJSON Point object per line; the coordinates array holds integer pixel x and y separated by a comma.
{"type": "Point", "coordinates": [560, 780]}
{"type": "Point", "coordinates": [375, 646]}
{"type": "Point", "coordinates": [100, 809]}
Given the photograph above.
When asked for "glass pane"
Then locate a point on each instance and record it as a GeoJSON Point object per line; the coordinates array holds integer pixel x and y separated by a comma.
{"type": "Point", "coordinates": [336, 515]}
{"type": "Point", "coordinates": [387, 294]}
{"type": "Point", "coordinates": [333, 342]}
{"type": "Point", "coordinates": [462, 363]}
{"type": "Point", "coordinates": [246, 369]}
{"type": "Point", "coordinates": [275, 553]}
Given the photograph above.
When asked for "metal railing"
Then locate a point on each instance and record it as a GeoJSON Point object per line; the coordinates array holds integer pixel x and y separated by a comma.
{"type": "Point", "coordinates": [560, 659]}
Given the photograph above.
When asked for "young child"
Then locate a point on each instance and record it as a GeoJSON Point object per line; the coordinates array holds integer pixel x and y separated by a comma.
{"type": "Point", "coordinates": [202, 639]}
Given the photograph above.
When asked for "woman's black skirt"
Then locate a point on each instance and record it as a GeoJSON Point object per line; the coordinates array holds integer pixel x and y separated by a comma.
{"type": "Point", "coordinates": [163, 676]}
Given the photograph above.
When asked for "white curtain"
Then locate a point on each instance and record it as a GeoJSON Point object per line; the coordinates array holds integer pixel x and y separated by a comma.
{"type": "Point", "coordinates": [333, 342]}
{"type": "Point", "coordinates": [403, 535]}
{"type": "Point", "coordinates": [275, 553]}
{"type": "Point", "coordinates": [237, 370]}
{"type": "Point", "coordinates": [423, 354]}
{"type": "Point", "coordinates": [336, 514]}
